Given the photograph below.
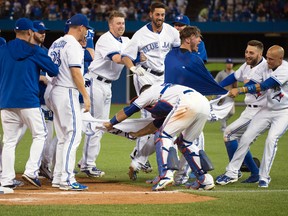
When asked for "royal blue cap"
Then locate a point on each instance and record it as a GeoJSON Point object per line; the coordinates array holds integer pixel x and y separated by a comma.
{"type": "Point", "coordinates": [78, 20]}
{"type": "Point", "coordinates": [40, 26]}
{"type": "Point", "coordinates": [229, 61]}
{"type": "Point", "coordinates": [24, 24]}
{"type": "Point", "coordinates": [182, 19]}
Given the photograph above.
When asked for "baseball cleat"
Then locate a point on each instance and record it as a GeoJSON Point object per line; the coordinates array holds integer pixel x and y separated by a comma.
{"type": "Point", "coordinates": [93, 172]}
{"type": "Point", "coordinates": [34, 181]}
{"type": "Point", "coordinates": [73, 187]}
{"type": "Point", "coordinates": [153, 181]}
{"type": "Point", "coordinates": [55, 185]}
{"type": "Point", "coordinates": [197, 186]}
{"type": "Point", "coordinates": [45, 171]}
{"type": "Point", "coordinates": [163, 183]}
{"type": "Point", "coordinates": [132, 173]}
{"type": "Point", "coordinates": [251, 179]}
{"type": "Point", "coordinates": [224, 180]}
{"type": "Point", "coordinates": [262, 184]}
{"type": "Point", "coordinates": [17, 183]}
{"type": "Point", "coordinates": [6, 190]}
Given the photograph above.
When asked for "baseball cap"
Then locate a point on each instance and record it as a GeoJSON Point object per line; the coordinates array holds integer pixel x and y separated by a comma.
{"type": "Point", "coordinates": [40, 26]}
{"type": "Point", "coordinates": [229, 61]}
{"type": "Point", "coordinates": [24, 24]}
{"type": "Point", "coordinates": [78, 20]}
{"type": "Point", "coordinates": [182, 19]}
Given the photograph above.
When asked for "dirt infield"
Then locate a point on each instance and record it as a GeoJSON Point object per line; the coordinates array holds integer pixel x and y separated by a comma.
{"type": "Point", "coordinates": [98, 193]}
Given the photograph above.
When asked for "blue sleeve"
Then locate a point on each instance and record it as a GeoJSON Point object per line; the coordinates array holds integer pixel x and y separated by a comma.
{"type": "Point", "coordinates": [251, 82]}
{"type": "Point", "coordinates": [45, 63]}
{"type": "Point", "coordinates": [110, 56]}
{"type": "Point", "coordinates": [87, 56]}
{"type": "Point", "coordinates": [130, 110]}
{"type": "Point", "coordinates": [269, 83]}
{"type": "Point", "coordinates": [228, 80]}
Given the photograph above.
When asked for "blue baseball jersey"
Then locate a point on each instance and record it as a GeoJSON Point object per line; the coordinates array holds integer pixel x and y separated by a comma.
{"type": "Point", "coordinates": [185, 68]}
{"type": "Point", "coordinates": [202, 51]}
{"type": "Point", "coordinates": [20, 65]}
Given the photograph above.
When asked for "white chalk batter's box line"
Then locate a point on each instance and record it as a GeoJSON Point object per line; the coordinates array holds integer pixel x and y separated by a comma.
{"type": "Point", "coordinates": [259, 190]}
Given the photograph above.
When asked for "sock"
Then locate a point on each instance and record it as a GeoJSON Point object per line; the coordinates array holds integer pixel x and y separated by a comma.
{"type": "Point", "coordinates": [231, 147]}
{"type": "Point", "coordinates": [248, 160]}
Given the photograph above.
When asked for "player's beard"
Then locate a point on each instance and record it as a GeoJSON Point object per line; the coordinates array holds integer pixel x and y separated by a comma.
{"type": "Point", "coordinates": [252, 62]}
{"type": "Point", "coordinates": [158, 23]}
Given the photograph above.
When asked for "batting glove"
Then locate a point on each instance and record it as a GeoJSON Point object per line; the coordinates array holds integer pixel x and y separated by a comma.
{"type": "Point", "coordinates": [138, 70]}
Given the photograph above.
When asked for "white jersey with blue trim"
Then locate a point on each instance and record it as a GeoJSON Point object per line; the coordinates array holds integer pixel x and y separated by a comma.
{"type": "Point", "coordinates": [66, 52]}
{"type": "Point", "coordinates": [278, 97]}
{"type": "Point", "coordinates": [257, 74]}
{"type": "Point", "coordinates": [151, 96]}
{"type": "Point", "coordinates": [102, 65]}
{"type": "Point", "coordinates": [153, 45]}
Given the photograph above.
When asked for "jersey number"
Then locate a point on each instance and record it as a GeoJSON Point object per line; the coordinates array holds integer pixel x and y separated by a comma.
{"type": "Point", "coordinates": [56, 57]}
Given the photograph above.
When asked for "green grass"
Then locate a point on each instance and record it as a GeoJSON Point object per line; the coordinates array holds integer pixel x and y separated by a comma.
{"type": "Point", "coordinates": [233, 199]}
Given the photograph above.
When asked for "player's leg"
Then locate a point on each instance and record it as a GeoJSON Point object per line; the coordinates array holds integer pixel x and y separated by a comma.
{"type": "Point", "coordinates": [279, 126]}
{"type": "Point", "coordinates": [12, 126]}
{"type": "Point", "coordinates": [100, 96]}
{"type": "Point", "coordinates": [234, 132]}
{"type": "Point", "coordinates": [184, 173]}
{"type": "Point", "coordinates": [72, 122]}
{"type": "Point", "coordinates": [34, 119]}
{"type": "Point", "coordinates": [257, 126]}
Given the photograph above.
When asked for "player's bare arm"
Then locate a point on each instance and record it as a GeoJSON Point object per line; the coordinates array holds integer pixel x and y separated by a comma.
{"type": "Point", "coordinates": [149, 129]}
{"type": "Point", "coordinates": [79, 82]}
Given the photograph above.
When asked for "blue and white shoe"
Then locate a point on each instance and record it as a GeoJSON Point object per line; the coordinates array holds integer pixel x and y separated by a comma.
{"type": "Point", "coordinates": [6, 190]}
{"type": "Point", "coordinates": [17, 183]}
{"type": "Point", "coordinates": [73, 187]}
{"type": "Point", "coordinates": [251, 179]}
{"type": "Point", "coordinates": [224, 180]}
{"type": "Point", "coordinates": [93, 172]}
{"type": "Point", "coordinates": [263, 184]}
{"type": "Point", "coordinates": [163, 183]}
{"type": "Point", "coordinates": [34, 181]}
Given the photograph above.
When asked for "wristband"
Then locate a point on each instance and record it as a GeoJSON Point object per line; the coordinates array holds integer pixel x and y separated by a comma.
{"type": "Point", "coordinates": [114, 120]}
{"type": "Point", "coordinates": [251, 88]}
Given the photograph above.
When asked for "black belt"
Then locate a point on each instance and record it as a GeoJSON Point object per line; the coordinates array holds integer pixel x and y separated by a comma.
{"type": "Point", "coordinates": [103, 79]}
{"type": "Point", "coordinates": [187, 91]}
{"type": "Point", "coordinates": [253, 106]}
{"type": "Point", "coordinates": [156, 73]}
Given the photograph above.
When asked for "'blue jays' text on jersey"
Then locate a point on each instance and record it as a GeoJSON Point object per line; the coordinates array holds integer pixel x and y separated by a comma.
{"type": "Point", "coordinates": [185, 68]}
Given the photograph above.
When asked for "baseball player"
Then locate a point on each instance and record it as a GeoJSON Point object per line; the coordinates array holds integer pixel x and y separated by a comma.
{"type": "Point", "coordinates": [254, 102]}
{"type": "Point", "coordinates": [221, 75]}
{"type": "Point", "coordinates": [176, 109]}
{"type": "Point", "coordinates": [68, 54]}
{"type": "Point", "coordinates": [154, 40]}
{"type": "Point", "coordinates": [19, 101]}
{"type": "Point", "coordinates": [105, 68]}
{"type": "Point", "coordinates": [182, 175]}
{"type": "Point", "coordinates": [273, 116]}
{"type": "Point", "coordinates": [50, 146]}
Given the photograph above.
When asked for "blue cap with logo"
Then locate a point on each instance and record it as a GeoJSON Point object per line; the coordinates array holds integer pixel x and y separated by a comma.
{"type": "Point", "coordinates": [78, 20]}
{"type": "Point", "coordinates": [182, 19]}
{"type": "Point", "coordinates": [40, 26]}
{"type": "Point", "coordinates": [24, 24]}
{"type": "Point", "coordinates": [229, 61]}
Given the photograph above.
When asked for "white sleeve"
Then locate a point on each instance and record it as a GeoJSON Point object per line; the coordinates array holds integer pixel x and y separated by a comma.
{"type": "Point", "coordinates": [105, 46]}
{"type": "Point", "coordinates": [75, 55]}
{"type": "Point", "coordinates": [281, 74]}
{"type": "Point", "coordinates": [131, 49]}
{"type": "Point", "coordinates": [238, 74]}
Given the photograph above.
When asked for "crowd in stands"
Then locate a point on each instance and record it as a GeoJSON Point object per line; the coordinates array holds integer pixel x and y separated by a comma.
{"type": "Point", "coordinates": [95, 10]}
{"type": "Point", "coordinates": [244, 11]}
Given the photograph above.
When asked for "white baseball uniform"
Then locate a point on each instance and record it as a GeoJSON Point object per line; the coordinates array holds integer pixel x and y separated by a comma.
{"type": "Point", "coordinates": [102, 71]}
{"type": "Point", "coordinates": [253, 101]}
{"type": "Point", "coordinates": [155, 47]}
{"type": "Point", "coordinates": [66, 52]}
{"type": "Point", "coordinates": [274, 114]}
